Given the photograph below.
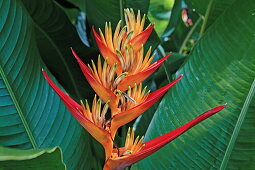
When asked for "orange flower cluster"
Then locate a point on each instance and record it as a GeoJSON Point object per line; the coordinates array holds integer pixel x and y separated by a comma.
{"type": "Point", "coordinates": [118, 82]}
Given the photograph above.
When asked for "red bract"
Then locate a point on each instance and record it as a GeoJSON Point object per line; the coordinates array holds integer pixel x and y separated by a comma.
{"type": "Point", "coordinates": [100, 134]}
{"type": "Point", "coordinates": [155, 144]}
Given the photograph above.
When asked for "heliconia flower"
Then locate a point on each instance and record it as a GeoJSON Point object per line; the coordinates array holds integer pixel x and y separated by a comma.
{"type": "Point", "coordinates": [131, 37]}
{"type": "Point", "coordinates": [135, 150]}
{"type": "Point", "coordinates": [93, 120]}
{"type": "Point", "coordinates": [136, 103]}
{"type": "Point", "coordinates": [102, 79]}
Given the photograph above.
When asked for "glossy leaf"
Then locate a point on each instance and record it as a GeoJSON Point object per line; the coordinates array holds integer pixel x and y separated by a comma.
{"type": "Point", "coordinates": [55, 34]}
{"type": "Point", "coordinates": [31, 114]}
{"type": "Point", "coordinates": [242, 154]}
{"type": "Point", "coordinates": [39, 159]}
{"type": "Point", "coordinates": [214, 8]}
{"type": "Point", "coordinates": [220, 69]}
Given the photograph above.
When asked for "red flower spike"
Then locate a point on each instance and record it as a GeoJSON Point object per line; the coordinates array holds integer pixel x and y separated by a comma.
{"type": "Point", "coordinates": [141, 38]}
{"type": "Point", "coordinates": [157, 143]}
{"type": "Point", "coordinates": [100, 134]}
{"type": "Point", "coordinates": [130, 80]}
{"type": "Point", "coordinates": [107, 53]}
{"type": "Point", "coordinates": [125, 117]}
{"type": "Point", "coordinates": [102, 92]}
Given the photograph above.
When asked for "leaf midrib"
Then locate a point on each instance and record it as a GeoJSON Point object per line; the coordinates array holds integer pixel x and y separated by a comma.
{"type": "Point", "coordinates": [18, 108]}
{"type": "Point", "coordinates": [238, 126]}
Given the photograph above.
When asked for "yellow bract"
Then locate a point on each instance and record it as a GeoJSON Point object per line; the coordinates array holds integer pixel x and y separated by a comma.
{"type": "Point", "coordinates": [96, 115]}
{"type": "Point", "coordinates": [133, 97]}
{"type": "Point", "coordinates": [121, 36]}
{"type": "Point", "coordinates": [132, 144]}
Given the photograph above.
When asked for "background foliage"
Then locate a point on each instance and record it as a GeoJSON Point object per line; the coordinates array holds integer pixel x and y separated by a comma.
{"type": "Point", "coordinates": [215, 54]}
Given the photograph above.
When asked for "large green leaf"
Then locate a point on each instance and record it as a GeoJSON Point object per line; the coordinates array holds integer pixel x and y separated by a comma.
{"type": "Point", "coordinates": [242, 154]}
{"type": "Point", "coordinates": [219, 70]}
{"type": "Point", "coordinates": [210, 9]}
{"type": "Point", "coordinates": [31, 114]}
{"type": "Point", "coordinates": [12, 159]}
{"type": "Point", "coordinates": [55, 34]}
{"type": "Point", "coordinates": [101, 11]}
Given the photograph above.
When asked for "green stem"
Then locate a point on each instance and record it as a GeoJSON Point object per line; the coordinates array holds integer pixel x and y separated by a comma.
{"type": "Point", "coordinates": [162, 51]}
{"type": "Point", "coordinates": [19, 110]}
{"type": "Point", "coordinates": [206, 18]}
{"type": "Point", "coordinates": [238, 126]}
{"type": "Point", "coordinates": [189, 34]}
{"type": "Point", "coordinates": [122, 12]}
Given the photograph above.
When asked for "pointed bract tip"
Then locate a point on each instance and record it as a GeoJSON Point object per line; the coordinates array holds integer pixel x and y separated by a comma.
{"type": "Point", "coordinates": [152, 25]}
{"type": "Point", "coordinates": [74, 53]}
{"type": "Point", "coordinates": [223, 106]}
{"type": "Point", "coordinates": [218, 108]}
